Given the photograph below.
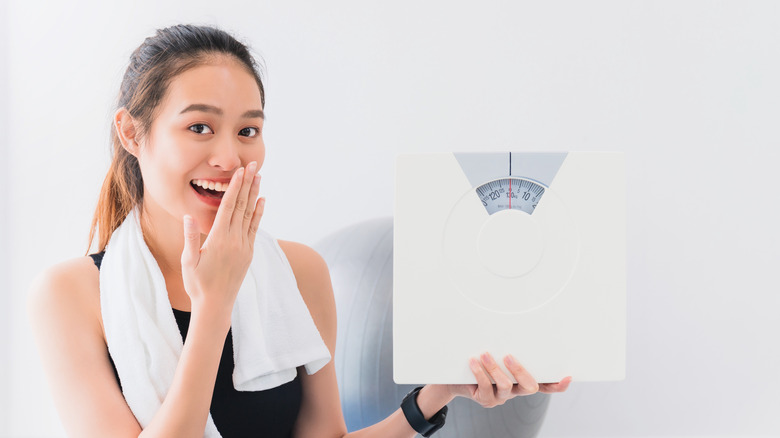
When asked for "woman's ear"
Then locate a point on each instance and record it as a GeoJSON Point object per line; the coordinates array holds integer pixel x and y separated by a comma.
{"type": "Point", "coordinates": [126, 131]}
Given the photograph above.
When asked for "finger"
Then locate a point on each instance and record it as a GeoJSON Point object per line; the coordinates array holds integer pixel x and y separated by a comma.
{"type": "Point", "coordinates": [242, 201]}
{"type": "Point", "coordinates": [526, 384]}
{"type": "Point", "coordinates": [484, 394]}
{"type": "Point", "coordinates": [228, 203]}
{"type": "Point", "coordinates": [503, 382]}
{"type": "Point", "coordinates": [252, 203]}
{"type": "Point", "coordinates": [561, 386]}
{"type": "Point", "coordinates": [191, 253]}
{"type": "Point", "coordinates": [259, 209]}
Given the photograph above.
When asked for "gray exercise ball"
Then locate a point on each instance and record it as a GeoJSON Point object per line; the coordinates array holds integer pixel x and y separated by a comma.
{"type": "Point", "coordinates": [360, 260]}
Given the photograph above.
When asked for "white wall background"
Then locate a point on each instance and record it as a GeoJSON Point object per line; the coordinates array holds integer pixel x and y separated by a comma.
{"type": "Point", "coordinates": [688, 89]}
{"type": "Point", "coordinates": [6, 328]}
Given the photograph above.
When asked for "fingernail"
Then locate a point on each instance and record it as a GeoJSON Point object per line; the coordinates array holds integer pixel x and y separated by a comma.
{"type": "Point", "coordinates": [487, 359]}
{"type": "Point", "coordinates": [510, 360]}
{"type": "Point", "coordinates": [474, 363]}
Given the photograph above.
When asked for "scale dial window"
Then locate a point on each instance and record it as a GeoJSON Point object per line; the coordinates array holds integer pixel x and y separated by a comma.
{"type": "Point", "coordinates": [510, 194]}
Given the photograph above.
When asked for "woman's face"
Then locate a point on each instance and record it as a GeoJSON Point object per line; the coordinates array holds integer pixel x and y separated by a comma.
{"type": "Point", "coordinates": [208, 125]}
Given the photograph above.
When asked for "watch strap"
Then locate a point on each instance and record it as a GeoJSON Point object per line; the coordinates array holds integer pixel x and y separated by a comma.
{"type": "Point", "coordinates": [416, 418]}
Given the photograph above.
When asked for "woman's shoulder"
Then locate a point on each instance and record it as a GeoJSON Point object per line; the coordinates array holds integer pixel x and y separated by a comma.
{"type": "Point", "coordinates": [70, 277]}
{"type": "Point", "coordinates": [66, 291]}
{"type": "Point", "coordinates": [303, 259]}
{"type": "Point", "coordinates": [310, 269]}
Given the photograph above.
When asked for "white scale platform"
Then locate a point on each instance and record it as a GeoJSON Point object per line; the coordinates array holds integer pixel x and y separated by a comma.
{"type": "Point", "coordinates": [509, 252]}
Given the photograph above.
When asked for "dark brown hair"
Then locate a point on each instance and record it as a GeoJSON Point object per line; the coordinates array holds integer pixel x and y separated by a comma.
{"type": "Point", "coordinates": [170, 52]}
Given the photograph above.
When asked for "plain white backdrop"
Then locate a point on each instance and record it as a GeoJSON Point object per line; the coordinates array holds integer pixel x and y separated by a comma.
{"type": "Point", "coordinates": [687, 89]}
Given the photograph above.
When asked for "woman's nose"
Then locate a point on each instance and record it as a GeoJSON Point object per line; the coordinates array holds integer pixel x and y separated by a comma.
{"type": "Point", "coordinates": [225, 155]}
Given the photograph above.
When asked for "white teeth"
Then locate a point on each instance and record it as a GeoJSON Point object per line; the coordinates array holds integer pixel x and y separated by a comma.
{"type": "Point", "coordinates": [220, 187]}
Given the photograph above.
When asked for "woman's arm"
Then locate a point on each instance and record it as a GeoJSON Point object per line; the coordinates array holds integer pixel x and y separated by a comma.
{"type": "Point", "coordinates": [64, 310]}
{"type": "Point", "coordinates": [185, 410]}
{"type": "Point", "coordinates": [320, 414]}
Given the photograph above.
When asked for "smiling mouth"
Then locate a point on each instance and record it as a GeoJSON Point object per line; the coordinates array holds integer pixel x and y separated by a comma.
{"type": "Point", "coordinates": [205, 191]}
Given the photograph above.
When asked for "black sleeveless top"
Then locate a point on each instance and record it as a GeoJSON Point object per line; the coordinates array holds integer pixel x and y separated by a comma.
{"type": "Point", "coordinates": [269, 413]}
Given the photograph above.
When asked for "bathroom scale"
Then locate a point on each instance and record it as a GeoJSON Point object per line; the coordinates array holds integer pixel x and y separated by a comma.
{"type": "Point", "coordinates": [520, 253]}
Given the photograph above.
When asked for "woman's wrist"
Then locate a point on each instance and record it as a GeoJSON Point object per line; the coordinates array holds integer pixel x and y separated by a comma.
{"type": "Point", "coordinates": [211, 313]}
{"type": "Point", "coordinates": [432, 398]}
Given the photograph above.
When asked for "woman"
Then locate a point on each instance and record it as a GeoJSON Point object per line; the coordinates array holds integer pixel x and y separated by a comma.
{"type": "Point", "coordinates": [174, 132]}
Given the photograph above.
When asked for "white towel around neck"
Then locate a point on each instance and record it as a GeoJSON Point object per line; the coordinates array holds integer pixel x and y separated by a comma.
{"type": "Point", "coordinates": [272, 329]}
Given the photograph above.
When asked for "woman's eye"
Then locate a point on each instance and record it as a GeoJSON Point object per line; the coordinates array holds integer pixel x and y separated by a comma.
{"type": "Point", "coordinates": [255, 129]}
{"type": "Point", "coordinates": [199, 125]}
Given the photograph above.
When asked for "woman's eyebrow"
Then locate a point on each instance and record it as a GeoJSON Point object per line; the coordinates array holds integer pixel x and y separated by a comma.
{"type": "Point", "coordinates": [218, 111]}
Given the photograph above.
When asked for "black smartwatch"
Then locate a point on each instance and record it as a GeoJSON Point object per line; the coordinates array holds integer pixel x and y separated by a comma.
{"type": "Point", "coordinates": [415, 416]}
